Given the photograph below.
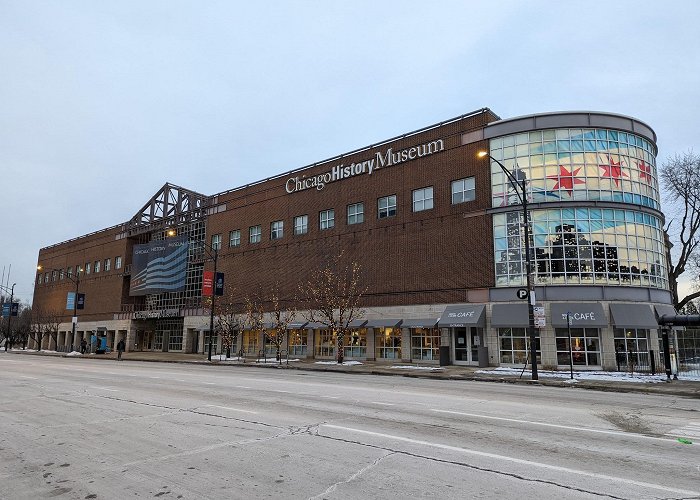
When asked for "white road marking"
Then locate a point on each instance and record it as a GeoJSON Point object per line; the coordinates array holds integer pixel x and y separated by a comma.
{"type": "Point", "coordinates": [692, 430]}
{"type": "Point", "coordinates": [30, 378]}
{"type": "Point", "coordinates": [380, 403]}
{"type": "Point", "coordinates": [210, 383]}
{"type": "Point", "coordinates": [330, 397]}
{"type": "Point", "coordinates": [232, 409]}
{"type": "Point", "coordinates": [104, 388]}
{"type": "Point", "coordinates": [518, 461]}
{"type": "Point", "coordinates": [557, 426]}
{"type": "Point", "coordinates": [242, 387]}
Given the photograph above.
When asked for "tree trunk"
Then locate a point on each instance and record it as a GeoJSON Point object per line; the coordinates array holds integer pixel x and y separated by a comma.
{"type": "Point", "coordinates": [341, 354]}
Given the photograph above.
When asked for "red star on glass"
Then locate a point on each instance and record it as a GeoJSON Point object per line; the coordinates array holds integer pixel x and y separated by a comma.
{"type": "Point", "coordinates": [644, 171]}
{"type": "Point", "coordinates": [614, 171]}
{"type": "Point", "coordinates": [565, 179]}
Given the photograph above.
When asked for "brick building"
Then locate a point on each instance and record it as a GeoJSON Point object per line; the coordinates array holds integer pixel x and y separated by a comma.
{"type": "Point", "coordinates": [438, 233]}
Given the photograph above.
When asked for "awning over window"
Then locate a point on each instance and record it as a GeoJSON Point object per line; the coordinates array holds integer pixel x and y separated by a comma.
{"type": "Point", "coordinates": [383, 323]}
{"type": "Point", "coordinates": [315, 326]}
{"type": "Point", "coordinates": [509, 315]}
{"type": "Point", "coordinates": [582, 314]}
{"type": "Point", "coordinates": [662, 309]}
{"type": "Point", "coordinates": [358, 323]}
{"type": "Point", "coordinates": [419, 323]}
{"type": "Point", "coordinates": [633, 316]}
{"type": "Point", "coordinates": [297, 325]}
{"type": "Point", "coordinates": [463, 315]}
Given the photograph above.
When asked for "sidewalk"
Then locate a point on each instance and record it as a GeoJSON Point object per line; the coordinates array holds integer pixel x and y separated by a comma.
{"type": "Point", "coordinates": [683, 388]}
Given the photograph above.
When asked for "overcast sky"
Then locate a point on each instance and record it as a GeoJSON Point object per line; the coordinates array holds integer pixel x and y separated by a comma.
{"type": "Point", "coordinates": [103, 102]}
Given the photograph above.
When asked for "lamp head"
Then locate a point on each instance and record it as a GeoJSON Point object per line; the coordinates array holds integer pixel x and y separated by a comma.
{"type": "Point", "coordinates": [171, 232]}
{"type": "Point", "coordinates": [481, 154]}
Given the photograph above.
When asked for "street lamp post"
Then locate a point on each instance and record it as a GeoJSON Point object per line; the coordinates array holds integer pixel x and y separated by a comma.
{"type": "Point", "coordinates": [9, 317]}
{"type": "Point", "coordinates": [75, 280]}
{"type": "Point", "coordinates": [531, 300]}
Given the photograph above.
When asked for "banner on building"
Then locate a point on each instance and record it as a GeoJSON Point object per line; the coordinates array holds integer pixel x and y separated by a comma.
{"type": "Point", "coordinates": [207, 283]}
{"type": "Point", "coordinates": [219, 284]}
{"type": "Point", "coordinates": [159, 266]}
{"type": "Point", "coordinates": [10, 309]}
{"type": "Point", "coordinates": [70, 301]}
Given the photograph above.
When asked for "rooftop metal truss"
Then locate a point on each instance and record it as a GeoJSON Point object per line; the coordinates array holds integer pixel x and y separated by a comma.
{"type": "Point", "coordinates": [170, 206]}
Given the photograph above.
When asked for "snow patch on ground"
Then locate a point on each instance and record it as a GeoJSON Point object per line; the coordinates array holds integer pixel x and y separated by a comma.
{"type": "Point", "coordinates": [74, 353]}
{"type": "Point", "coordinates": [413, 367]}
{"type": "Point", "coordinates": [345, 363]}
{"type": "Point", "coordinates": [580, 376]}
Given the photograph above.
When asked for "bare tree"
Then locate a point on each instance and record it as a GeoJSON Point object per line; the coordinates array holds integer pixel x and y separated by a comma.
{"type": "Point", "coordinates": [281, 319]}
{"type": "Point", "coordinates": [680, 176]}
{"type": "Point", "coordinates": [332, 297]}
{"type": "Point", "coordinates": [229, 322]}
{"type": "Point", "coordinates": [255, 315]}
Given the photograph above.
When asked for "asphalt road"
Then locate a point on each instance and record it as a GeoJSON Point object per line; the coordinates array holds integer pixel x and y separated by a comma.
{"type": "Point", "coordinates": [80, 428]}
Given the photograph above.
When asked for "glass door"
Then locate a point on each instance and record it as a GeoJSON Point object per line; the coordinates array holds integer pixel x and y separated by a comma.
{"type": "Point", "coordinates": [461, 346]}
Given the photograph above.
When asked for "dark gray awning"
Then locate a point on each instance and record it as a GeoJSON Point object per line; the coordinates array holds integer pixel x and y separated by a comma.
{"type": "Point", "coordinates": [297, 325]}
{"type": "Point", "coordinates": [357, 323]}
{"type": "Point", "coordinates": [383, 323]}
{"type": "Point", "coordinates": [463, 315]}
{"type": "Point", "coordinates": [668, 310]}
{"type": "Point", "coordinates": [633, 316]}
{"type": "Point", "coordinates": [315, 326]}
{"type": "Point", "coordinates": [419, 323]}
{"type": "Point", "coordinates": [582, 314]}
{"type": "Point", "coordinates": [509, 315]}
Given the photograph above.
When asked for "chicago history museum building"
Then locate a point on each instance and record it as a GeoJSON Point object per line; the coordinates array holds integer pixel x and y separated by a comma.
{"type": "Point", "coordinates": [437, 231]}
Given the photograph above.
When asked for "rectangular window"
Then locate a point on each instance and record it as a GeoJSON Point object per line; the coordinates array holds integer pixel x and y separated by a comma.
{"type": "Point", "coordinates": [387, 343]}
{"type": "Point", "coordinates": [38, 279]}
{"type": "Point", "coordinates": [301, 224]}
{"type": "Point", "coordinates": [46, 277]}
{"type": "Point", "coordinates": [585, 346]}
{"type": "Point", "coordinates": [117, 263]}
{"type": "Point", "coordinates": [97, 266]}
{"type": "Point", "coordinates": [423, 199]}
{"type": "Point", "coordinates": [216, 241]}
{"type": "Point", "coordinates": [386, 206]}
{"type": "Point", "coordinates": [108, 264]}
{"type": "Point", "coordinates": [234, 238]}
{"type": "Point", "coordinates": [60, 274]}
{"type": "Point", "coordinates": [276, 230]}
{"type": "Point", "coordinates": [69, 272]}
{"type": "Point", "coordinates": [254, 234]}
{"type": "Point", "coordinates": [53, 275]}
{"type": "Point", "coordinates": [463, 190]}
{"type": "Point", "coordinates": [514, 346]}
{"type": "Point", "coordinates": [327, 219]}
{"type": "Point", "coordinates": [356, 213]}
{"type": "Point", "coordinates": [87, 268]}
{"type": "Point", "coordinates": [298, 342]}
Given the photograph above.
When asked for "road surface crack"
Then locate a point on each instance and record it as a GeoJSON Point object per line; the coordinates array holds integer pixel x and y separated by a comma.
{"type": "Point", "coordinates": [513, 475]}
{"type": "Point", "coordinates": [352, 477]}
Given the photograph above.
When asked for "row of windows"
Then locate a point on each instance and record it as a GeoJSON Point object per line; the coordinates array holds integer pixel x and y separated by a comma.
{"type": "Point", "coordinates": [463, 190]}
{"type": "Point", "coordinates": [90, 267]}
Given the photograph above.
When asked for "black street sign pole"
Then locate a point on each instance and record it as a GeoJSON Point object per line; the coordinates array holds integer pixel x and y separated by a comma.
{"type": "Point", "coordinates": [9, 317]}
{"type": "Point", "coordinates": [571, 356]}
{"type": "Point", "coordinates": [531, 299]}
{"type": "Point", "coordinates": [213, 298]}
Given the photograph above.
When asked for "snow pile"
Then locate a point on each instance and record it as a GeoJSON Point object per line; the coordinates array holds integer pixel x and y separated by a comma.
{"type": "Point", "coordinates": [345, 363]}
{"type": "Point", "coordinates": [413, 367]}
{"type": "Point", "coordinates": [580, 375]}
{"type": "Point", "coordinates": [74, 353]}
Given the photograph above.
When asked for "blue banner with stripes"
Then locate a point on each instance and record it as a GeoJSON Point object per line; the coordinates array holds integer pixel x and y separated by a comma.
{"type": "Point", "coordinates": [159, 266]}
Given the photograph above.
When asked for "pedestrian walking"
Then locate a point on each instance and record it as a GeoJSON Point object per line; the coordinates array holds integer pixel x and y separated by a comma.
{"type": "Point", "coordinates": [121, 346]}
{"type": "Point", "coordinates": [83, 346]}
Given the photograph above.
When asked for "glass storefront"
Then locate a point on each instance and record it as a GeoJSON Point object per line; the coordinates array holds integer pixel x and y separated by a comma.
{"type": "Point", "coordinates": [355, 343]}
{"type": "Point", "coordinates": [298, 342]}
{"type": "Point", "coordinates": [585, 346]}
{"type": "Point", "coordinates": [250, 342]}
{"type": "Point", "coordinates": [388, 343]}
{"type": "Point", "coordinates": [425, 344]}
{"type": "Point", "coordinates": [631, 347]}
{"type": "Point", "coordinates": [514, 346]}
{"type": "Point", "coordinates": [326, 343]}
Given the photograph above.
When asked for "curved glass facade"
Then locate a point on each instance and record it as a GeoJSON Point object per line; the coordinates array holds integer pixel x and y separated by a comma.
{"type": "Point", "coordinates": [579, 245]}
{"type": "Point", "coordinates": [577, 164]}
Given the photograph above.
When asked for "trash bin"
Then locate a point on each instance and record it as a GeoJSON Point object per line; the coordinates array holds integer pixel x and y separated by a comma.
{"type": "Point", "coordinates": [483, 353]}
{"type": "Point", "coordinates": [444, 355]}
